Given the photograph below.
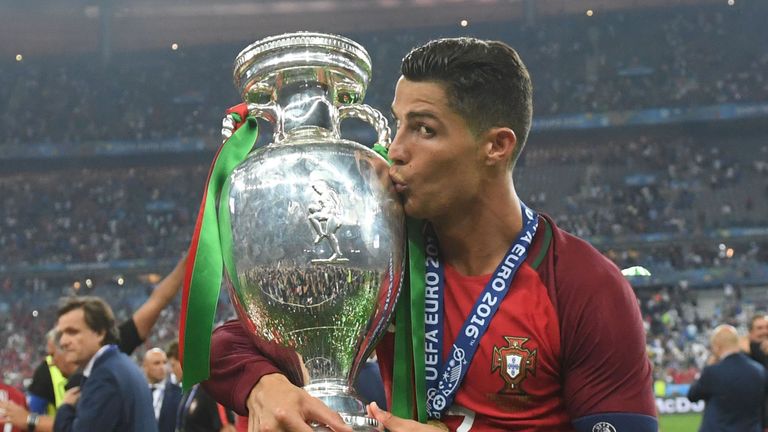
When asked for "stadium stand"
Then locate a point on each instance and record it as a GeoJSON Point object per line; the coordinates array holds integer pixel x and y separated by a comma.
{"type": "Point", "coordinates": [102, 166]}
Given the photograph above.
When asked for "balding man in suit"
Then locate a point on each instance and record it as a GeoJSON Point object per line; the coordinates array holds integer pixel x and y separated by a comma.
{"type": "Point", "coordinates": [165, 394]}
{"type": "Point", "coordinates": [734, 386]}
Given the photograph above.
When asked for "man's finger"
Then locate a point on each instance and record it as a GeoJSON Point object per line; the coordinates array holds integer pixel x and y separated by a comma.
{"type": "Point", "coordinates": [317, 411]}
{"type": "Point", "coordinates": [291, 423]}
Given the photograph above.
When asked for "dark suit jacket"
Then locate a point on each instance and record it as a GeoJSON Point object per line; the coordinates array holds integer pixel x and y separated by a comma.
{"type": "Point", "coordinates": [734, 391]}
{"type": "Point", "coordinates": [114, 398]}
{"type": "Point", "coordinates": [199, 412]}
{"type": "Point", "coordinates": [171, 400]}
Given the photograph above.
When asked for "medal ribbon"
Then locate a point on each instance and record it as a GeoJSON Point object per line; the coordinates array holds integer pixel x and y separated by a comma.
{"type": "Point", "coordinates": [444, 378]}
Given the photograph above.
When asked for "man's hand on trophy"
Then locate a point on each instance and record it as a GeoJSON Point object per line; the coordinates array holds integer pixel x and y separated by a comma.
{"type": "Point", "coordinates": [234, 118]}
{"type": "Point", "coordinates": [392, 423]}
{"type": "Point", "coordinates": [275, 404]}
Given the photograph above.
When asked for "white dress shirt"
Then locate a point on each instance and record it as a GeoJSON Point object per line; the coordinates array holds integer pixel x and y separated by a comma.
{"type": "Point", "coordinates": [158, 392]}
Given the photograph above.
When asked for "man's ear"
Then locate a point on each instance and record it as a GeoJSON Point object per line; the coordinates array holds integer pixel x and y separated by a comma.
{"type": "Point", "coordinates": [102, 336]}
{"type": "Point", "coordinates": [501, 145]}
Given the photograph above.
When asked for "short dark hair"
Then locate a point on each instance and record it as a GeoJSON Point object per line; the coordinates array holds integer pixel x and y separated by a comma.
{"type": "Point", "coordinates": [173, 350]}
{"type": "Point", "coordinates": [486, 82]}
{"type": "Point", "coordinates": [98, 315]}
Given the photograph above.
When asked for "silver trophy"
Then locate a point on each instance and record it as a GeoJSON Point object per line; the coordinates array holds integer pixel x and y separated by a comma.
{"type": "Point", "coordinates": [317, 230]}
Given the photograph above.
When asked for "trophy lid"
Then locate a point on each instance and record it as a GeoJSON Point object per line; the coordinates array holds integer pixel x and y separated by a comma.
{"type": "Point", "coordinates": [267, 64]}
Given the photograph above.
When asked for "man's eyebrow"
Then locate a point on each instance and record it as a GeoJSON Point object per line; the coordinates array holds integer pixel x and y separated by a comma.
{"type": "Point", "coordinates": [416, 114]}
{"type": "Point", "coordinates": [419, 114]}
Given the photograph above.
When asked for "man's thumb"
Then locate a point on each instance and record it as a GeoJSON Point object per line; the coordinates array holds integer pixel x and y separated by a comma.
{"type": "Point", "coordinates": [385, 418]}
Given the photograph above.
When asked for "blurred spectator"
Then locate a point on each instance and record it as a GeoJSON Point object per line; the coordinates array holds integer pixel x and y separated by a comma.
{"type": "Point", "coordinates": [12, 394]}
{"type": "Point", "coordinates": [114, 394]}
{"type": "Point", "coordinates": [734, 386]}
{"type": "Point", "coordinates": [198, 412]}
{"type": "Point", "coordinates": [165, 394]}
{"type": "Point", "coordinates": [758, 339]}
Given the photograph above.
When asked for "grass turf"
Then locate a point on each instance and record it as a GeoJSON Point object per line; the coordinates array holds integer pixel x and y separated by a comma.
{"type": "Point", "coordinates": [679, 422]}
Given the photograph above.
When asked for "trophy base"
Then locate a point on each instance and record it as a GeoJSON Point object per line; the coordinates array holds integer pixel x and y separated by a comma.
{"type": "Point", "coordinates": [341, 399]}
{"type": "Point", "coordinates": [358, 424]}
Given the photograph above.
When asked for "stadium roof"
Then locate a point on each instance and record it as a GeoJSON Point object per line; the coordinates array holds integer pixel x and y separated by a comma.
{"type": "Point", "coordinates": [74, 26]}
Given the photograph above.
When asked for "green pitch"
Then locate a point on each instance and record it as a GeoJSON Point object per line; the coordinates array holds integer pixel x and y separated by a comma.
{"type": "Point", "coordinates": [679, 423]}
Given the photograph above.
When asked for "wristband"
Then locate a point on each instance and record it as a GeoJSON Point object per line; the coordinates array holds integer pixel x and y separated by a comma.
{"type": "Point", "coordinates": [32, 419]}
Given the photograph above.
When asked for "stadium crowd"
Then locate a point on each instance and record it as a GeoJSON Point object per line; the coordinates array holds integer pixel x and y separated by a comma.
{"type": "Point", "coordinates": [31, 312]}
{"type": "Point", "coordinates": [618, 188]}
{"type": "Point", "coordinates": [613, 61]}
{"type": "Point", "coordinates": [93, 215]}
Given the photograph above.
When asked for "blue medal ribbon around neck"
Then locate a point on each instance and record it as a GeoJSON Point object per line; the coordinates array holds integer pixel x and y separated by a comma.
{"type": "Point", "coordinates": [444, 378]}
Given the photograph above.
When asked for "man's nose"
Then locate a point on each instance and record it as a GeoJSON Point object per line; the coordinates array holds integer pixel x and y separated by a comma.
{"type": "Point", "coordinates": [397, 151]}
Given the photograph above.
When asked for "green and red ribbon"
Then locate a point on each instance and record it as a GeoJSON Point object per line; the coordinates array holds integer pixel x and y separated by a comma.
{"type": "Point", "coordinates": [205, 266]}
{"type": "Point", "coordinates": [202, 281]}
{"type": "Point", "coordinates": [409, 382]}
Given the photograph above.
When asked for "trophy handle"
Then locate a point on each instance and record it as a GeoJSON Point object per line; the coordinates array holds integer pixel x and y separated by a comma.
{"type": "Point", "coordinates": [371, 116]}
{"type": "Point", "coordinates": [271, 113]}
{"type": "Point", "coordinates": [268, 112]}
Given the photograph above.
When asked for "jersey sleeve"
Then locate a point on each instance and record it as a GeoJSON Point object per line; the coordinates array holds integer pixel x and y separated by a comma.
{"type": "Point", "coordinates": [129, 337]}
{"type": "Point", "coordinates": [42, 385]}
{"type": "Point", "coordinates": [604, 362]}
{"type": "Point", "coordinates": [239, 360]}
{"type": "Point", "coordinates": [700, 389]}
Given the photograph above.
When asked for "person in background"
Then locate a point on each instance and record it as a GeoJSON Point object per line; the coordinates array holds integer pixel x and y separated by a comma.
{"type": "Point", "coordinates": [53, 374]}
{"type": "Point", "coordinates": [165, 394]}
{"type": "Point", "coordinates": [733, 386]}
{"type": "Point", "coordinates": [198, 412]}
{"type": "Point", "coordinates": [757, 339]}
{"type": "Point", "coordinates": [113, 395]}
{"type": "Point", "coordinates": [8, 393]}
{"type": "Point", "coordinates": [172, 351]}
{"type": "Point", "coordinates": [45, 393]}
{"type": "Point", "coordinates": [757, 347]}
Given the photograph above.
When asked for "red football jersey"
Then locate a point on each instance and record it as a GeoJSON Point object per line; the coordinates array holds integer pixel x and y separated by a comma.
{"type": "Point", "coordinates": [566, 342]}
{"type": "Point", "coordinates": [8, 393]}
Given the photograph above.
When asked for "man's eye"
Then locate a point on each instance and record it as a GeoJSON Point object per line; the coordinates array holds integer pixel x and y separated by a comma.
{"type": "Point", "coordinates": [426, 130]}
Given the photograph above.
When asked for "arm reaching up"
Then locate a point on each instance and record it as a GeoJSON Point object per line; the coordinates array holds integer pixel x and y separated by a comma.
{"type": "Point", "coordinates": [147, 314]}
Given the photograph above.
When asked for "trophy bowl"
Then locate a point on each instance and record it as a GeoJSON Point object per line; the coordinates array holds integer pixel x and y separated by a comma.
{"type": "Point", "coordinates": [311, 222]}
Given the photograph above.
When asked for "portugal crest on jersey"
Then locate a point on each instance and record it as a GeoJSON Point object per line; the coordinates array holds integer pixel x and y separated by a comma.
{"type": "Point", "coordinates": [514, 362]}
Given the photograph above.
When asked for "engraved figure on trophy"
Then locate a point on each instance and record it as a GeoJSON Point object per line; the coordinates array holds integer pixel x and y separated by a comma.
{"type": "Point", "coordinates": [324, 218]}
{"type": "Point", "coordinates": [314, 231]}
